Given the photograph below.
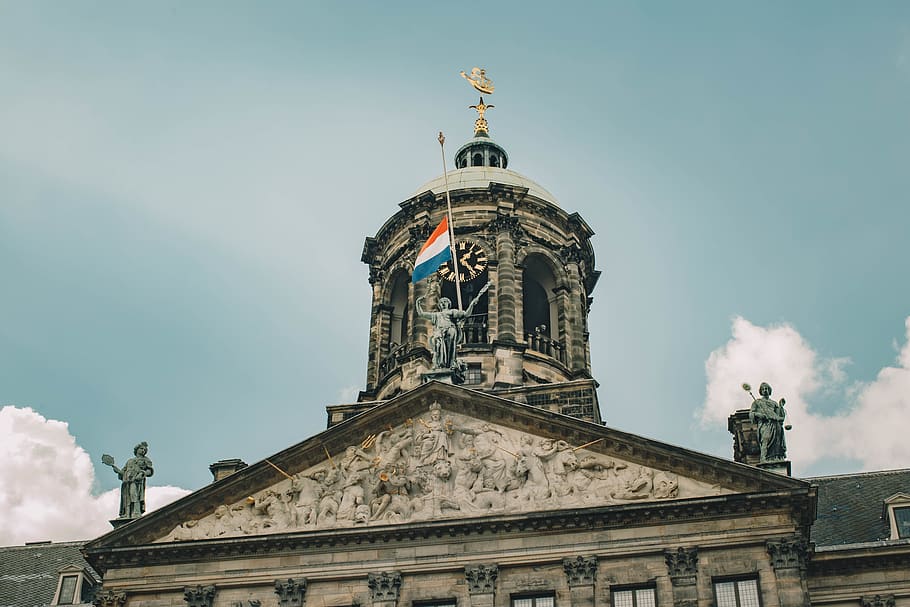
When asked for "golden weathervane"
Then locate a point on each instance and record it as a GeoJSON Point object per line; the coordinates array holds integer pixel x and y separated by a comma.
{"type": "Point", "coordinates": [478, 79]}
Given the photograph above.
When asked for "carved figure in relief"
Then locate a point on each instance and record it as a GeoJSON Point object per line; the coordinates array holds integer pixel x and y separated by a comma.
{"type": "Point", "coordinates": [666, 485]}
{"type": "Point", "coordinates": [352, 494]}
{"type": "Point", "coordinates": [390, 497]}
{"type": "Point", "coordinates": [637, 483]}
{"type": "Point", "coordinates": [309, 490]}
{"type": "Point", "coordinates": [434, 441]}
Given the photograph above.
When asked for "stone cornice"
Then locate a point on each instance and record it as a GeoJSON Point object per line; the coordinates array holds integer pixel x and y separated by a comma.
{"type": "Point", "coordinates": [858, 557]}
{"type": "Point", "coordinates": [558, 522]}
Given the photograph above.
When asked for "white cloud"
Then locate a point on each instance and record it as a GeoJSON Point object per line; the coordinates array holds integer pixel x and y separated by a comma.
{"type": "Point", "coordinates": [869, 426]}
{"type": "Point", "coordinates": [46, 483]}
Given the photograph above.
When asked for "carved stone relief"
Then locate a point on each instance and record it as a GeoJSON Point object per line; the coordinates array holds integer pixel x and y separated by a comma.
{"type": "Point", "coordinates": [788, 554]}
{"type": "Point", "coordinates": [581, 570]}
{"type": "Point", "coordinates": [384, 586]}
{"type": "Point", "coordinates": [481, 579]}
{"type": "Point", "coordinates": [441, 465]}
{"type": "Point", "coordinates": [878, 600]}
{"type": "Point", "coordinates": [682, 566]}
{"type": "Point", "coordinates": [199, 596]}
{"type": "Point", "coordinates": [291, 592]}
{"type": "Point", "coordinates": [109, 599]}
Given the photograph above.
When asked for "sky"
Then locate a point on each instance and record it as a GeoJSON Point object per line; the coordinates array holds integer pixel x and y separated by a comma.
{"type": "Point", "coordinates": [185, 189]}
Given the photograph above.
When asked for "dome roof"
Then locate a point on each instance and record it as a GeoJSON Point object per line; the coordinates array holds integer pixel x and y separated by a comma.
{"type": "Point", "coordinates": [472, 178]}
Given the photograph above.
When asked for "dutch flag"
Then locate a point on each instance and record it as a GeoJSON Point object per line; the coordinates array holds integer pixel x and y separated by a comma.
{"type": "Point", "coordinates": [435, 252]}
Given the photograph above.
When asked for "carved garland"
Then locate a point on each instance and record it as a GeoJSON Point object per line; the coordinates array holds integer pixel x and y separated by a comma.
{"type": "Point", "coordinates": [878, 600]}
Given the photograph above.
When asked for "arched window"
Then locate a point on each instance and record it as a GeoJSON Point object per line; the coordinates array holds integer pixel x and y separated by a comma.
{"type": "Point", "coordinates": [463, 162]}
{"type": "Point", "coordinates": [477, 161]}
{"type": "Point", "coordinates": [399, 329]}
{"type": "Point", "coordinates": [540, 311]}
{"type": "Point", "coordinates": [494, 160]}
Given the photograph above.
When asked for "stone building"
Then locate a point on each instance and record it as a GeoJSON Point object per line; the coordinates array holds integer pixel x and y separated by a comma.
{"type": "Point", "coordinates": [500, 486]}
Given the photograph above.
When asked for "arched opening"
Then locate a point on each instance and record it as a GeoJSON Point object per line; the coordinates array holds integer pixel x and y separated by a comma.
{"type": "Point", "coordinates": [494, 160]}
{"type": "Point", "coordinates": [463, 163]}
{"type": "Point", "coordinates": [477, 161]}
{"type": "Point", "coordinates": [540, 311]}
{"type": "Point", "coordinates": [395, 341]}
{"type": "Point", "coordinates": [399, 310]}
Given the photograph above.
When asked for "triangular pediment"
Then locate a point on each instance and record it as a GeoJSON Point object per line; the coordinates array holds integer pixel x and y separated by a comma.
{"type": "Point", "coordinates": [443, 452]}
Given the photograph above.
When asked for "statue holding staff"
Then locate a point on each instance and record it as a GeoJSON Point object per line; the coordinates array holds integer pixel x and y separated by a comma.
{"type": "Point", "coordinates": [768, 416]}
{"type": "Point", "coordinates": [447, 333]}
{"type": "Point", "coordinates": [132, 477]}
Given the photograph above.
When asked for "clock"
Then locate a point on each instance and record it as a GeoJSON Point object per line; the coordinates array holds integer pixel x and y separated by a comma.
{"type": "Point", "coordinates": [471, 259]}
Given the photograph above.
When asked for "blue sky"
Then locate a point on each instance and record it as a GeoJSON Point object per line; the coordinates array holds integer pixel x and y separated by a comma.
{"type": "Point", "coordinates": [185, 189]}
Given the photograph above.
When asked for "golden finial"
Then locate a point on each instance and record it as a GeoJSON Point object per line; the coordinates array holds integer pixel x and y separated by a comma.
{"type": "Point", "coordinates": [480, 125]}
{"type": "Point", "coordinates": [479, 80]}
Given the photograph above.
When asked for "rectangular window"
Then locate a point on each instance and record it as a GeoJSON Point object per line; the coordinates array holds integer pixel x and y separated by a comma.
{"type": "Point", "coordinates": [439, 603]}
{"type": "Point", "coordinates": [473, 374]}
{"type": "Point", "coordinates": [737, 593]}
{"type": "Point", "coordinates": [540, 600]}
{"type": "Point", "coordinates": [644, 596]}
{"type": "Point", "coordinates": [68, 590]}
{"type": "Point", "coordinates": [902, 518]}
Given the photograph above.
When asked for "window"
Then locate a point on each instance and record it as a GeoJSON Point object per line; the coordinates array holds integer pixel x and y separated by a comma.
{"type": "Point", "coordinates": [540, 600]}
{"type": "Point", "coordinates": [737, 593]}
{"type": "Point", "coordinates": [439, 603]}
{"type": "Point", "coordinates": [634, 597]}
{"type": "Point", "coordinates": [473, 375]}
{"type": "Point", "coordinates": [68, 589]}
{"type": "Point", "coordinates": [902, 522]}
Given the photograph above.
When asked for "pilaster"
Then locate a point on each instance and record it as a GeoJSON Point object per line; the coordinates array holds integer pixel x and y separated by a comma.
{"type": "Point", "coordinates": [788, 557]}
{"type": "Point", "coordinates": [481, 581]}
{"type": "Point", "coordinates": [581, 574]}
{"type": "Point", "coordinates": [682, 565]}
{"type": "Point", "coordinates": [384, 587]}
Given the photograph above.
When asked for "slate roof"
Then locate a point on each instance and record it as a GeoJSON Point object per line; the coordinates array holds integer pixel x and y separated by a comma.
{"type": "Point", "coordinates": [28, 574]}
{"type": "Point", "coordinates": [850, 506]}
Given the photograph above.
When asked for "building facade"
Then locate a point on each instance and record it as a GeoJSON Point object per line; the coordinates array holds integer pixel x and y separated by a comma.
{"type": "Point", "coordinates": [501, 486]}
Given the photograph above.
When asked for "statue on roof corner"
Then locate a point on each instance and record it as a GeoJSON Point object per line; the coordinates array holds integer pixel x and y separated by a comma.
{"type": "Point", "coordinates": [768, 416]}
{"type": "Point", "coordinates": [132, 477]}
{"type": "Point", "coordinates": [447, 329]}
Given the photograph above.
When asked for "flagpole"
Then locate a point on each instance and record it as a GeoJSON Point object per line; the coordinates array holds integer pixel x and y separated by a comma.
{"type": "Point", "coordinates": [445, 175]}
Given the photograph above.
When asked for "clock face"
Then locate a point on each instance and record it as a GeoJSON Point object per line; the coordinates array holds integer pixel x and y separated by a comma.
{"type": "Point", "coordinates": [471, 260]}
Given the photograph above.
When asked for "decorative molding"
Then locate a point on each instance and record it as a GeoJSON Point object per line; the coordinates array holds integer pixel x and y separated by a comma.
{"type": "Point", "coordinates": [291, 592]}
{"type": "Point", "coordinates": [199, 596]}
{"type": "Point", "coordinates": [682, 565]}
{"type": "Point", "coordinates": [109, 599]}
{"type": "Point", "coordinates": [384, 586]}
{"type": "Point", "coordinates": [878, 600]}
{"type": "Point", "coordinates": [481, 579]}
{"type": "Point", "coordinates": [581, 570]}
{"type": "Point", "coordinates": [789, 554]}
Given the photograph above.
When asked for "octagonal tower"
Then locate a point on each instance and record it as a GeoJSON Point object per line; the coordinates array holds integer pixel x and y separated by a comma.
{"type": "Point", "coordinates": [527, 339]}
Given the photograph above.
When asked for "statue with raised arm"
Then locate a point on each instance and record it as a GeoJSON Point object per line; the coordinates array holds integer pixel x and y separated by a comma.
{"type": "Point", "coordinates": [447, 333]}
{"type": "Point", "coordinates": [768, 416]}
{"type": "Point", "coordinates": [132, 477]}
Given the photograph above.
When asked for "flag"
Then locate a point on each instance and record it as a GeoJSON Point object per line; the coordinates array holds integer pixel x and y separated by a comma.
{"type": "Point", "coordinates": [435, 252]}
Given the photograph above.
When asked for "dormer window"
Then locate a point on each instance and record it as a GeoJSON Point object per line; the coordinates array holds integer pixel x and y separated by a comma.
{"type": "Point", "coordinates": [897, 511]}
{"type": "Point", "coordinates": [74, 586]}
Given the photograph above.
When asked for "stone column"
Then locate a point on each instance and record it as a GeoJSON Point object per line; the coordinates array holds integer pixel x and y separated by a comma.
{"type": "Point", "coordinates": [109, 599]}
{"type": "Point", "coordinates": [481, 580]}
{"type": "Point", "coordinates": [376, 276]}
{"type": "Point", "coordinates": [574, 312]}
{"type": "Point", "coordinates": [291, 593]}
{"type": "Point", "coordinates": [682, 566]}
{"type": "Point", "coordinates": [789, 560]}
{"type": "Point", "coordinates": [506, 300]}
{"type": "Point", "coordinates": [199, 596]}
{"type": "Point", "coordinates": [384, 587]}
{"type": "Point", "coordinates": [581, 573]}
